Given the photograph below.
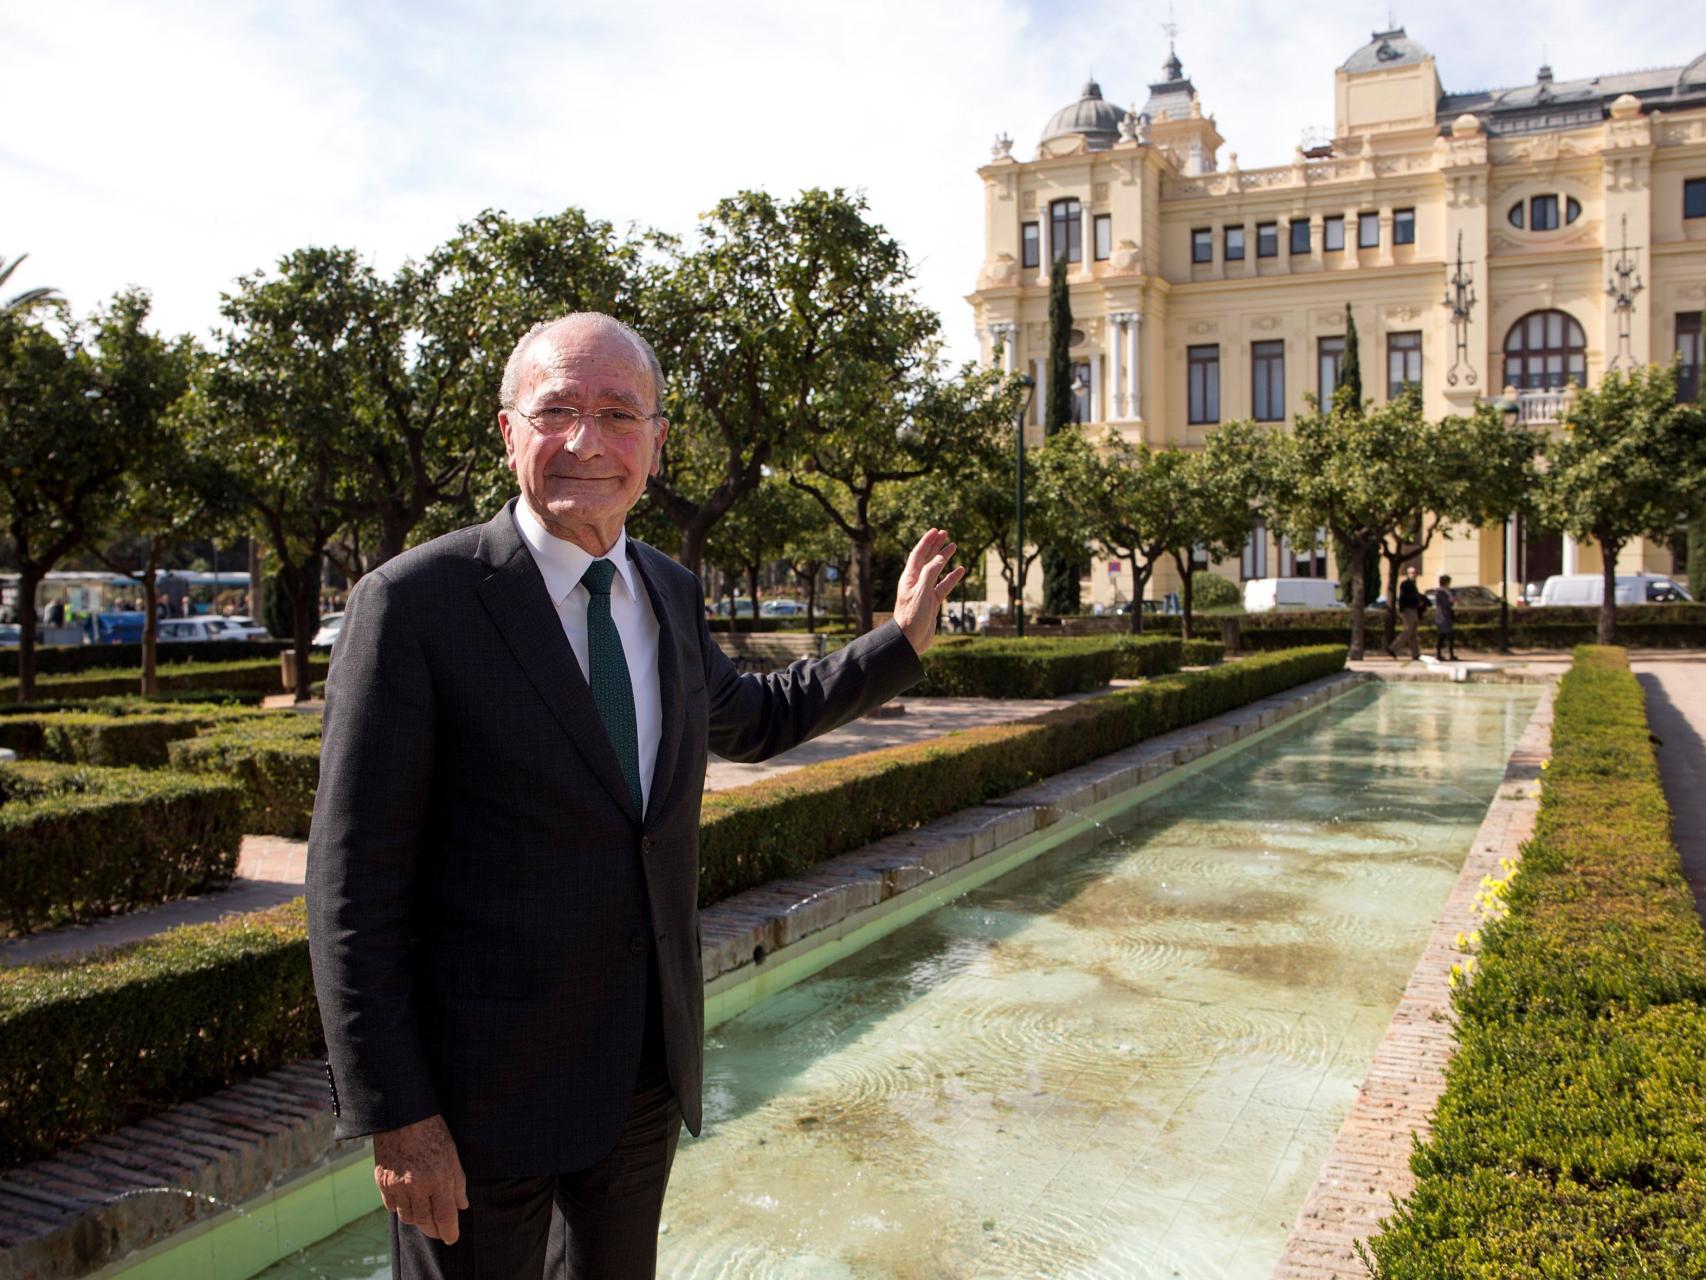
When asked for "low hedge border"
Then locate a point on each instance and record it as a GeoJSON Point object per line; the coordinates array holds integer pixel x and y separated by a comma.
{"type": "Point", "coordinates": [91, 1045]}
{"type": "Point", "coordinates": [1571, 1137]}
{"type": "Point", "coordinates": [122, 733]}
{"type": "Point", "coordinates": [1481, 635]}
{"type": "Point", "coordinates": [980, 667]}
{"type": "Point", "coordinates": [257, 675]}
{"type": "Point", "coordinates": [95, 1043]}
{"type": "Point", "coordinates": [67, 659]}
{"type": "Point", "coordinates": [78, 842]}
{"type": "Point", "coordinates": [276, 760]}
{"type": "Point", "coordinates": [780, 827]}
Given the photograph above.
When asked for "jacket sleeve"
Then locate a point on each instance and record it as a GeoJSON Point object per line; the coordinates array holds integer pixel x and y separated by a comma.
{"type": "Point", "coordinates": [364, 851]}
{"type": "Point", "coordinates": [756, 717]}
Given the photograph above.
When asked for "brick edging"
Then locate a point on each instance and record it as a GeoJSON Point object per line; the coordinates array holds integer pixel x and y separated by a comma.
{"type": "Point", "coordinates": [1369, 1164]}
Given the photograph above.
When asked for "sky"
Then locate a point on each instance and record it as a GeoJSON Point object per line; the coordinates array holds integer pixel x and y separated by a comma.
{"type": "Point", "coordinates": [177, 145]}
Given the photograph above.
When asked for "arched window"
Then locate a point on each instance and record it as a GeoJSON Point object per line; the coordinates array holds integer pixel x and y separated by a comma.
{"type": "Point", "coordinates": [1066, 231]}
{"type": "Point", "coordinates": [1545, 350]}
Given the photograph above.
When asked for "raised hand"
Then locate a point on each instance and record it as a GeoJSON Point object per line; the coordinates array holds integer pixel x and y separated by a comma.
{"type": "Point", "coordinates": [923, 588]}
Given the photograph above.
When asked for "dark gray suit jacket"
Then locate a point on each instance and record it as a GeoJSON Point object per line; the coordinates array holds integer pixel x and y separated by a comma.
{"type": "Point", "coordinates": [483, 901]}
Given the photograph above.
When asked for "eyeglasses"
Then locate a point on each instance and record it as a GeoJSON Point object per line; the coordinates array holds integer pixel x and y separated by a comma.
{"type": "Point", "coordinates": [560, 419]}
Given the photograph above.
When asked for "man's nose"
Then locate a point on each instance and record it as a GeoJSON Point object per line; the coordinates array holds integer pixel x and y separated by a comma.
{"type": "Point", "coordinates": [584, 440]}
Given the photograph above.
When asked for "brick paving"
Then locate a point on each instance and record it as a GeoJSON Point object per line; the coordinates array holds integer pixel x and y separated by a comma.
{"type": "Point", "coordinates": [1369, 1164]}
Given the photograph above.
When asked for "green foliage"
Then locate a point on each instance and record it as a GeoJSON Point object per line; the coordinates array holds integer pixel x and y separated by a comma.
{"type": "Point", "coordinates": [1629, 463]}
{"type": "Point", "coordinates": [1350, 369]}
{"type": "Point", "coordinates": [1201, 653]}
{"type": "Point", "coordinates": [278, 615]}
{"type": "Point", "coordinates": [1211, 591]}
{"type": "Point", "coordinates": [78, 842]}
{"type": "Point", "coordinates": [971, 667]}
{"type": "Point", "coordinates": [1569, 1140]}
{"type": "Point", "coordinates": [66, 659]}
{"type": "Point", "coordinates": [1697, 553]}
{"type": "Point", "coordinates": [125, 733]}
{"type": "Point", "coordinates": [1057, 408]}
{"type": "Point", "coordinates": [90, 1046]}
{"type": "Point", "coordinates": [259, 675]}
{"type": "Point", "coordinates": [780, 827]}
{"type": "Point", "coordinates": [276, 760]}
{"type": "Point", "coordinates": [29, 299]}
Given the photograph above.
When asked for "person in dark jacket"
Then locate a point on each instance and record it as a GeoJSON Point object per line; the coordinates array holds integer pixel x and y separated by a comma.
{"type": "Point", "coordinates": [1445, 621]}
{"type": "Point", "coordinates": [1410, 605]}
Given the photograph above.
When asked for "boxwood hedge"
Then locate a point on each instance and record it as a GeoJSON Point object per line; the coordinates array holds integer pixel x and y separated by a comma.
{"type": "Point", "coordinates": [276, 760]}
{"type": "Point", "coordinates": [1038, 667]}
{"type": "Point", "coordinates": [96, 1043]}
{"type": "Point", "coordinates": [116, 732]}
{"type": "Point", "coordinates": [63, 659]}
{"type": "Point", "coordinates": [90, 1045]}
{"type": "Point", "coordinates": [1571, 1138]}
{"type": "Point", "coordinates": [252, 675]}
{"type": "Point", "coordinates": [78, 842]}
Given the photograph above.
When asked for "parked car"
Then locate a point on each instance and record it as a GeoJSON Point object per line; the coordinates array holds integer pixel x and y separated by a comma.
{"type": "Point", "coordinates": [1263, 595]}
{"type": "Point", "coordinates": [192, 630]}
{"type": "Point", "coordinates": [11, 636]}
{"type": "Point", "coordinates": [240, 628]}
{"type": "Point", "coordinates": [1468, 597]}
{"type": "Point", "coordinates": [118, 627]}
{"type": "Point", "coordinates": [1631, 588]}
{"type": "Point", "coordinates": [327, 635]}
{"type": "Point", "coordinates": [779, 608]}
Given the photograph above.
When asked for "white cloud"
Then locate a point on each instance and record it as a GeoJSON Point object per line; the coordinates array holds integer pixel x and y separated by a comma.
{"type": "Point", "coordinates": [180, 144]}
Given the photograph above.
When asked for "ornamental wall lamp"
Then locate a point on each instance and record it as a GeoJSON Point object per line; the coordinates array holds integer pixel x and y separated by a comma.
{"type": "Point", "coordinates": [1460, 301]}
{"type": "Point", "coordinates": [1621, 288]}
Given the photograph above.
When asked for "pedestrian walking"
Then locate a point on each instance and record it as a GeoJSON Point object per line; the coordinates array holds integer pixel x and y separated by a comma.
{"type": "Point", "coordinates": [1410, 605]}
{"type": "Point", "coordinates": [1445, 621]}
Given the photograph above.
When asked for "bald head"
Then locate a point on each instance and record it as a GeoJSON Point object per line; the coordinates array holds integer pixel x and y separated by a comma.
{"type": "Point", "coordinates": [538, 350]}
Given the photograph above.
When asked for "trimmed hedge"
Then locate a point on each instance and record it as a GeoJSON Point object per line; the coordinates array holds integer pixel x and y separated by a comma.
{"type": "Point", "coordinates": [78, 842]}
{"type": "Point", "coordinates": [1484, 636]}
{"type": "Point", "coordinates": [67, 659]}
{"type": "Point", "coordinates": [980, 667]}
{"type": "Point", "coordinates": [1201, 653]}
{"type": "Point", "coordinates": [120, 732]}
{"type": "Point", "coordinates": [782, 826]}
{"type": "Point", "coordinates": [259, 675]}
{"type": "Point", "coordinates": [1571, 1138]}
{"type": "Point", "coordinates": [276, 760]}
{"type": "Point", "coordinates": [88, 1046]}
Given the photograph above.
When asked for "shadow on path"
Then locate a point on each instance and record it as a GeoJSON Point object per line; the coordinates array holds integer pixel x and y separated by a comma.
{"type": "Point", "coordinates": [1676, 714]}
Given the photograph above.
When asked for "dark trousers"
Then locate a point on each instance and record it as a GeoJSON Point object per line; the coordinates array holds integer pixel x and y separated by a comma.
{"type": "Point", "coordinates": [599, 1223]}
{"type": "Point", "coordinates": [1445, 638]}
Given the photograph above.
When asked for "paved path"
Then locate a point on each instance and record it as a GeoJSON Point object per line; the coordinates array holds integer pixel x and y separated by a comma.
{"type": "Point", "coordinates": [1676, 713]}
{"type": "Point", "coordinates": [271, 870]}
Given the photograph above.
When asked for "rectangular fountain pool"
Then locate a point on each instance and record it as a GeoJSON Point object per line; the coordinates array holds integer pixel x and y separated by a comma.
{"type": "Point", "coordinates": [1125, 1062]}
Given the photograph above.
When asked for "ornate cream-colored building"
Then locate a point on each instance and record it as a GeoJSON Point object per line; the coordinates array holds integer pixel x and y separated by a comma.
{"type": "Point", "coordinates": [1572, 213]}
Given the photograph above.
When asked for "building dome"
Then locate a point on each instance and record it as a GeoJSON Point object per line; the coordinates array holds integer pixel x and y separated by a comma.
{"type": "Point", "coordinates": [1386, 49]}
{"type": "Point", "coordinates": [1096, 120]}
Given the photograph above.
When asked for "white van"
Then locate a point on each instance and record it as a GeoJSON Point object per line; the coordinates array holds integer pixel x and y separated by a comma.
{"type": "Point", "coordinates": [1589, 588]}
{"type": "Point", "coordinates": [1262, 595]}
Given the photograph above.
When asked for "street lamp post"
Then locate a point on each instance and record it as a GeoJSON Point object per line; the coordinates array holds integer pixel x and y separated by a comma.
{"type": "Point", "coordinates": [1030, 386]}
{"type": "Point", "coordinates": [1512, 410]}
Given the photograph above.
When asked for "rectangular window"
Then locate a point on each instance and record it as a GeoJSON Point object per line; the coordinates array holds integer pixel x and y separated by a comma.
{"type": "Point", "coordinates": [1403, 363]}
{"type": "Point", "coordinates": [1066, 231]}
{"type": "Point", "coordinates": [1254, 562]}
{"type": "Point", "coordinates": [1202, 244]}
{"type": "Point", "coordinates": [1300, 236]}
{"type": "Point", "coordinates": [1267, 239]}
{"type": "Point", "coordinates": [1694, 198]}
{"type": "Point", "coordinates": [1330, 365]}
{"type": "Point", "coordinates": [1333, 234]}
{"type": "Point", "coordinates": [1080, 398]}
{"type": "Point", "coordinates": [1368, 231]}
{"type": "Point", "coordinates": [1029, 243]}
{"type": "Point", "coordinates": [1693, 355]}
{"type": "Point", "coordinates": [1403, 226]}
{"type": "Point", "coordinates": [1235, 244]}
{"type": "Point", "coordinates": [1104, 236]}
{"type": "Point", "coordinates": [1267, 381]}
{"type": "Point", "coordinates": [1203, 366]}
{"type": "Point", "coordinates": [1543, 213]}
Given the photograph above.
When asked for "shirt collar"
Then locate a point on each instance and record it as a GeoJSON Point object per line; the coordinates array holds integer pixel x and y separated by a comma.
{"type": "Point", "coordinates": [561, 562]}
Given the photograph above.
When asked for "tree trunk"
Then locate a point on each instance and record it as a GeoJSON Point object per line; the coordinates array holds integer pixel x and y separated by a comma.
{"type": "Point", "coordinates": [1359, 601]}
{"type": "Point", "coordinates": [253, 608]}
{"type": "Point", "coordinates": [811, 601]}
{"type": "Point", "coordinates": [306, 598]}
{"type": "Point", "coordinates": [693, 549]}
{"type": "Point", "coordinates": [393, 535]}
{"type": "Point", "coordinates": [1139, 583]}
{"type": "Point", "coordinates": [862, 585]}
{"type": "Point", "coordinates": [1389, 622]}
{"type": "Point", "coordinates": [752, 584]}
{"type": "Point", "coordinates": [28, 581]}
{"type": "Point", "coordinates": [1608, 606]}
{"type": "Point", "coordinates": [1185, 603]}
{"type": "Point", "coordinates": [151, 622]}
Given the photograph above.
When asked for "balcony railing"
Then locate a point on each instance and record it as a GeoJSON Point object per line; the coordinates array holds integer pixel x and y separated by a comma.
{"type": "Point", "coordinates": [1543, 408]}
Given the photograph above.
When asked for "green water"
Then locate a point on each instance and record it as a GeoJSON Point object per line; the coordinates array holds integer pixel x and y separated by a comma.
{"type": "Point", "coordinates": [1125, 1063]}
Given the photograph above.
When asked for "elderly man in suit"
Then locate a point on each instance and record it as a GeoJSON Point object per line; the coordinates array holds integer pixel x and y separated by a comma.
{"type": "Point", "coordinates": [502, 877]}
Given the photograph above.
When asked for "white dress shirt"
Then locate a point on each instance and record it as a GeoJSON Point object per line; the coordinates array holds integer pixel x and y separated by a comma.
{"type": "Point", "coordinates": [562, 563]}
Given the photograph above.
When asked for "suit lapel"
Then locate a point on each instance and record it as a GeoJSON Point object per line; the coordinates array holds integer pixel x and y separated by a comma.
{"type": "Point", "coordinates": [670, 683]}
{"type": "Point", "coordinates": [515, 595]}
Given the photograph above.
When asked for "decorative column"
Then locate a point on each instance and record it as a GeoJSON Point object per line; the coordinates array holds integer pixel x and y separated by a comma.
{"type": "Point", "coordinates": [1096, 411]}
{"type": "Point", "coordinates": [1086, 237]}
{"type": "Point", "coordinates": [1116, 388]}
{"type": "Point", "coordinates": [1039, 400]}
{"type": "Point", "coordinates": [1569, 554]}
{"type": "Point", "coordinates": [1134, 363]}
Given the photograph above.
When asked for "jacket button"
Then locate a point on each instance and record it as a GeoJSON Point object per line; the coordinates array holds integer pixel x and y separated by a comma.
{"type": "Point", "coordinates": [637, 946]}
{"type": "Point", "coordinates": [645, 844]}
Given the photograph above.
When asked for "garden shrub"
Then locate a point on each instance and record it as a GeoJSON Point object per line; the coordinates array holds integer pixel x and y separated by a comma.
{"type": "Point", "coordinates": [276, 760]}
{"type": "Point", "coordinates": [1211, 591]}
{"type": "Point", "coordinates": [1040, 667]}
{"type": "Point", "coordinates": [781, 826]}
{"type": "Point", "coordinates": [66, 659]}
{"type": "Point", "coordinates": [260, 675]}
{"type": "Point", "coordinates": [1201, 653]}
{"type": "Point", "coordinates": [78, 842]}
{"type": "Point", "coordinates": [117, 732]}
{"type": "Point", "coordinates": [1571, 1137]}
{"type": "Point", "coordinates": [93, 1044]}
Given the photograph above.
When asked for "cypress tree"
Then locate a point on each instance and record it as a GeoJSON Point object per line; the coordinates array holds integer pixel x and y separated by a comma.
{"type": "Point", "coordinates": [1350, 380]}
{"type": "Point", "coordinates": [1350, 373]}
{"type": "Point", "coordinates": [1697, 554]}
{"type": "Point", "coordinates": [1060, 564]}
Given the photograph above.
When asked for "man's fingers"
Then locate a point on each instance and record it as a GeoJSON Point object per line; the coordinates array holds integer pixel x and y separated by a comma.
{"type": "Point", "coordinates": [946, 587]}
{"type": "Point", "coordinates": [445, 1225]}
{"type": "Point", "coordinates": [925, 548]}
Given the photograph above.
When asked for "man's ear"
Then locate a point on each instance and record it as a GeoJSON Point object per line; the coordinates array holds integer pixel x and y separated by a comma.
{"type": "Point", "coordinates": [657, 446]}
{"type": "Point", "coordinates": [506, 430]}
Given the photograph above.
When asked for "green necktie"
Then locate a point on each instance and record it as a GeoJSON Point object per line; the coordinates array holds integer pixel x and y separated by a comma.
{"type": "Point", "coordinates": [611, 691]}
